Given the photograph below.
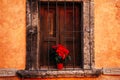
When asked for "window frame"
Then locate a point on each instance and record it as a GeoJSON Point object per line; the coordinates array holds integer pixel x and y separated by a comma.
{"type": "Point", "coordinates": [32, 33]}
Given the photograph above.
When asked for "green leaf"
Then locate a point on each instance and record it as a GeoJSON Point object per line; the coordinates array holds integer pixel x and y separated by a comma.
{"type": "Point", "coordinates": [56, 59]}
{"type": "Point", "coordinates": [69, 58]}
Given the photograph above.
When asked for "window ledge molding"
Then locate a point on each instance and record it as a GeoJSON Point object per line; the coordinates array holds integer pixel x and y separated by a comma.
{"type": "Point", "coordinates": [58, 73]}
{"type": "Point", "coordinates": [111, 71]}
{"type": "Point", "coordinates": [7, 72]}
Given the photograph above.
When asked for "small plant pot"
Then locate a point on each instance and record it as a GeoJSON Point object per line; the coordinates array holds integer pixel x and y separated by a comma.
{"type": "Point", "coordinates": [60, 66]}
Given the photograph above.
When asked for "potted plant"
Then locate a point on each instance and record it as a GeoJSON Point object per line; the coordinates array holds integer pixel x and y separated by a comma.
{"type": "Point", "coordinates": [60, 55]}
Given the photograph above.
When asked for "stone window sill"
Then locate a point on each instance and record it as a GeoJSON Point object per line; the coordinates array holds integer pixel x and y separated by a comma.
{"type": "Point", "coordinates": [58, 73]}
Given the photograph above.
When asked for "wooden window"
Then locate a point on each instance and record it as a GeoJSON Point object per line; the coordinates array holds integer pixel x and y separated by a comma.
{"type": "Point", "coordinates": [67, 22]}
{"type": "Point", "coordinates": [60, 23]}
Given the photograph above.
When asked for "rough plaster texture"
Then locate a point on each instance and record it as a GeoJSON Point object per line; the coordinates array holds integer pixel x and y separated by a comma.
{"type": "Point", "coordinates": [12, 34]}
{"type": "Point", "coordinates": [107, 32]}
{"type": "Point", "coordinates": [107, 40]}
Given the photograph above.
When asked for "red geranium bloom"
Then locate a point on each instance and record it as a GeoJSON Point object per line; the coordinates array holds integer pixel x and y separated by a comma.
{"type": "Point", "coordinates": [62, 55]}
{"type": "Point", "coordinates": [62, 51]}
{"type": "Point", "coordinates": [59, 54]}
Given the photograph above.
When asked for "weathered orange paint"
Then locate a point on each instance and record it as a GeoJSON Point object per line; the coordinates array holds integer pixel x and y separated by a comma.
{"type": "Point", "coordinates": [107, 31]}
{"type": "Point", "coordinates": [107, 40]}
{"type": "Point", "coordinates": [12, 34]}
{"type": "Point", "coordinates": [10, 78]}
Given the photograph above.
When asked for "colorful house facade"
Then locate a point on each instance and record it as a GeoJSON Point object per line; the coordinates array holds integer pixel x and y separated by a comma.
{"type": "Point", "coordinates": [88, 28]}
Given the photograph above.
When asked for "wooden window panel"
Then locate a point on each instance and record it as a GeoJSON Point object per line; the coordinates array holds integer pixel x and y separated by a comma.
{"type": "Point", "coordinates": [48, 34]}
{"type": "Point", "coordinates": [68, 20]}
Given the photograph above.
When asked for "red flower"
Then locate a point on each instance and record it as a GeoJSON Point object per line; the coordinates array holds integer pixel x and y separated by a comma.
{"type": "Point", "coordinates": [62, 51]}
{"type": "Point", "coordinates": [59, 54]}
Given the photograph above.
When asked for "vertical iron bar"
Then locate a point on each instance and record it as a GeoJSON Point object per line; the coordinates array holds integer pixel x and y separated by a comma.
{"type": "Point", "coordinates": [73, 36]}
{"type": "Point", "coordinates": [48, 32]}
{"type": "Point", "coordinates": [57, 27]}
{"type": "Point", "coordinates": [39, 52]}
{"type": "Point", "coordinates": [31, 62]}
{"type": "Point", "coordinates": [65, 19]}
{"type": "Point", "coordinates": [65, 25]}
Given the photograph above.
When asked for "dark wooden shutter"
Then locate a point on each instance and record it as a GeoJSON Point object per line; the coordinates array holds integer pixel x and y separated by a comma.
{"type": "Point", "coordinates": [60, 25]}
{"type": "Point", "coordinates": [48, 33]}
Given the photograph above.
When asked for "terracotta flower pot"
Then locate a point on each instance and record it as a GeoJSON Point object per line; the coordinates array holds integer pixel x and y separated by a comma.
{"type": "Point", "coordinates": [60, 66]}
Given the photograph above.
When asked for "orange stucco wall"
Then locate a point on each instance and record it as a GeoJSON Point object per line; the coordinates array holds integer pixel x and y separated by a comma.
{"type": "Point", "coordinates": [107, 40]}
{"type": "Point", "coordinates": [12, 34]}
{"type": "Point", "coordinates": [107, 32]}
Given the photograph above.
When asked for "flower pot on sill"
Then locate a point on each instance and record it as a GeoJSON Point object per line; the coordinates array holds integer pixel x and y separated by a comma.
{"type": "Point", "coordinates": [60, 66]}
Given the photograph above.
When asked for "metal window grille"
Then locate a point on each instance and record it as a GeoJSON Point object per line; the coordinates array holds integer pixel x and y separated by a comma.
{"type": "Point", "coordinates": [72, 6]}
